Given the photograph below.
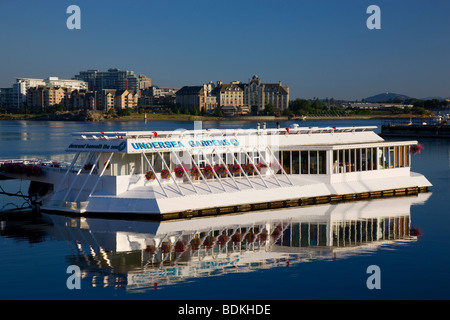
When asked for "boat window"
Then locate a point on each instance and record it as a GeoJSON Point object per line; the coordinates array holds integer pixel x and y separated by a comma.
{"type": "Point", "coordinates": [391, 157]}
{"type": "Point", "coordinates": [295, 162]}
{"type": "Point", "coordinates": [407, 156]}
{"type": "Point", "coordinates": [380, 158]}
{"type": "Point", "coordinates": [341, 161]}
{"type": "Point", "coordinates": [304, 162]}
{"type": "Point", "coordinates": [364, 159]}
{"type": "Point", "coordinates": [335, 162]}
{"type": "Point", "coordinates": [322, 162]}
{"type": "Point", "coordinates": [369, 159]}
{"type": "Point", "coordinates": [286, 161]}
{"type": "Point", "coordinates": [386, 157]}
{"type": "Point", "coordinates": [358, 161]}
{"type": "Point", "coordinates": [347, 160]}
{"type": "Point", "coordinates": [374, 158]}
{"type": "Point", "coordinates": [353, 160]}
{"type": "Point", "coordinates": [200, 160]}
{"type": "Point", "coordinates": [402, 156]}
{"type": "Point", "coordinates": [313, 165]}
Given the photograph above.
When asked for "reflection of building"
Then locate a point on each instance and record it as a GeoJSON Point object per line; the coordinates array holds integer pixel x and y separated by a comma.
{"type": "Point", "coordinates": [144, 253]}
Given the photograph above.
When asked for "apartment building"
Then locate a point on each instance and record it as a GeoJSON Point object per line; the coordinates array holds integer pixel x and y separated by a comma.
{"type": "Point", "coordinates": [108, 99]}
{"type": "Point", "coordinates": [197, 96]}
{"type": "Point", "coordinates": [126, 99]}
{"type": "Point", "coordinates": [82, 100]}
{"type": "Point", "coordinates": [257, 95]}
{"type": "Point", "coordinates": [43, 97]}
{"type": "Point", "coordinates": [155, 95]}
{"type": "Point", "coordinates": [113, 79]}
{"type": "Point", "coordinates": [229, 94]}
{"type": "Point", "coordinates": [16, 98]}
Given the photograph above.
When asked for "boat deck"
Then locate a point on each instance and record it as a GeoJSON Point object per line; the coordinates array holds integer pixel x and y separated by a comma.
{"type": "Point", "coordinates": [211, 187]}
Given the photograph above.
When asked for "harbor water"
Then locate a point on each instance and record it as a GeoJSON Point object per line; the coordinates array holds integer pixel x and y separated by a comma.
{"type": "Point", "coordinates": [316, 252]}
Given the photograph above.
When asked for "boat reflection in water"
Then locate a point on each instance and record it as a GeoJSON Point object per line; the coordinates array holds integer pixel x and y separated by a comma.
{"type": "Point", "coordinates": [139, 255]}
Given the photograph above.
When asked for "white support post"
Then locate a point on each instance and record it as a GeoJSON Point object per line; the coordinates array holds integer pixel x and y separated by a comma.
{"type": "Point", "coordinates": [282, 170]}
{"type": "Point", "coordinates": [214, 172]}
{"type": "Point", "coordinates": [200, 172]}
{"type": "Point", "coordinates": [87, 177]}
{"type": "Point", "coordinates": [257, 171]}
{"type": "Point", "coordinates": [228, 171]}
{"type": "Point", "coordinates": [76, 177]}
{"type": "Point", "coordinates": [268, 167]}
{"type": "Point", "coordinates": [184, 170]}
{"type": "Point", "coordinates": [156, 176]}
{"type": "Point", "coordinates": [242, 170]}
{"type": "Point", "coordinates": [168, 168]}
{"type": "Point", "coordinates": [67, 172]}
{"type": "Point", "coordinates": [101, 173]}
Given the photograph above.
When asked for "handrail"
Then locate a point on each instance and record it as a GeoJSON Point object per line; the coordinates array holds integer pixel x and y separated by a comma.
{"type": "Point", "coordinates": [211, 133]}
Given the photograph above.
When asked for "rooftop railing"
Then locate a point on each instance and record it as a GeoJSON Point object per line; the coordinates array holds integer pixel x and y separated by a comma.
{"type": "Point", "coordinates": [217, 132]}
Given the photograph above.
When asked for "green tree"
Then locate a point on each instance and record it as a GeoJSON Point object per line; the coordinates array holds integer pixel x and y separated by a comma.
{"type": "Point", "coordinates": [194, 111]}
{"type": "Point", "coordinates": [124, 112]}
{"type": "Point", "coordinates": [218, 112]}
{"type": "Point", "coordinates": [269, 109]}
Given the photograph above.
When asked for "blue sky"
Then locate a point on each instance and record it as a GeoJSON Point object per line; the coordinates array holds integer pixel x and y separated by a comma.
{"type": "Point", "coordinates": [319, 48]}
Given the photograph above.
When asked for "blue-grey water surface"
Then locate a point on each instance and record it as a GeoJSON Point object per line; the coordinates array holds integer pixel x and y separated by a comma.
{"type": "Point", "coordinates": [35, 253]}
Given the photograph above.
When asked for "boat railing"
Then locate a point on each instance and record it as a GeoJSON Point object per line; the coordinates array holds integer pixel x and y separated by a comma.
{"type": "Point", "coordinates": [294, 129]}
{"type": "Point", "coordinates": [43, 165]}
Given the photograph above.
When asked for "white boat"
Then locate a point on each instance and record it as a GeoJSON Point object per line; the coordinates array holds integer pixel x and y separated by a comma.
{"type": "Point", "coordinates": [178, 174]}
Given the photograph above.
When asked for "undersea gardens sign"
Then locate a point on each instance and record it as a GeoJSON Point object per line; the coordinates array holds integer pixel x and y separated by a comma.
{"type": "Point", "coordinates": [180, 144]}
{"type": "Point", "coordinates": [138, 146]}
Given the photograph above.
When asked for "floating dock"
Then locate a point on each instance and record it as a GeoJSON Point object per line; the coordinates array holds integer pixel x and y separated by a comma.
{"type": "Point", "coordinates": [421, 129]}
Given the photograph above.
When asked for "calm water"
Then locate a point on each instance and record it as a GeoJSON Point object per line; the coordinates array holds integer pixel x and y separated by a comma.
{"type": "Point", "coordinates": [309, 253]}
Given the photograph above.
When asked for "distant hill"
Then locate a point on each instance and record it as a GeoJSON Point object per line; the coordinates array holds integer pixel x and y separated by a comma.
{"type": "Point", "coordinates": [386, 97]}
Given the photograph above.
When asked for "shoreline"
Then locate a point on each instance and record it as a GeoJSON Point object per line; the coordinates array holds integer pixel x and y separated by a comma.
{"type": "Point", "coordinates": [167, 117]}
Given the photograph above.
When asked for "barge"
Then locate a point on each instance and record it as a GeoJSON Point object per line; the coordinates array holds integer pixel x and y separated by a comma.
{"type": "Point", "coordinates": [188, 173]}
{"type": "Point", "coordinates": [438, 127]}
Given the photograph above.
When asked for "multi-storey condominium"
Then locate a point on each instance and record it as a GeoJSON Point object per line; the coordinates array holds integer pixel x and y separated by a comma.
{"type": "Point", "coordinates": [155, 95]}
{"type": "Point", "coordinates": [113, 79]}
{"type": "Point", "coordinates": [108, 99]}
{"type": "Point", "coordinates": [42, 97]}
{"type": "Point", "coordinates": [17, 96]}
